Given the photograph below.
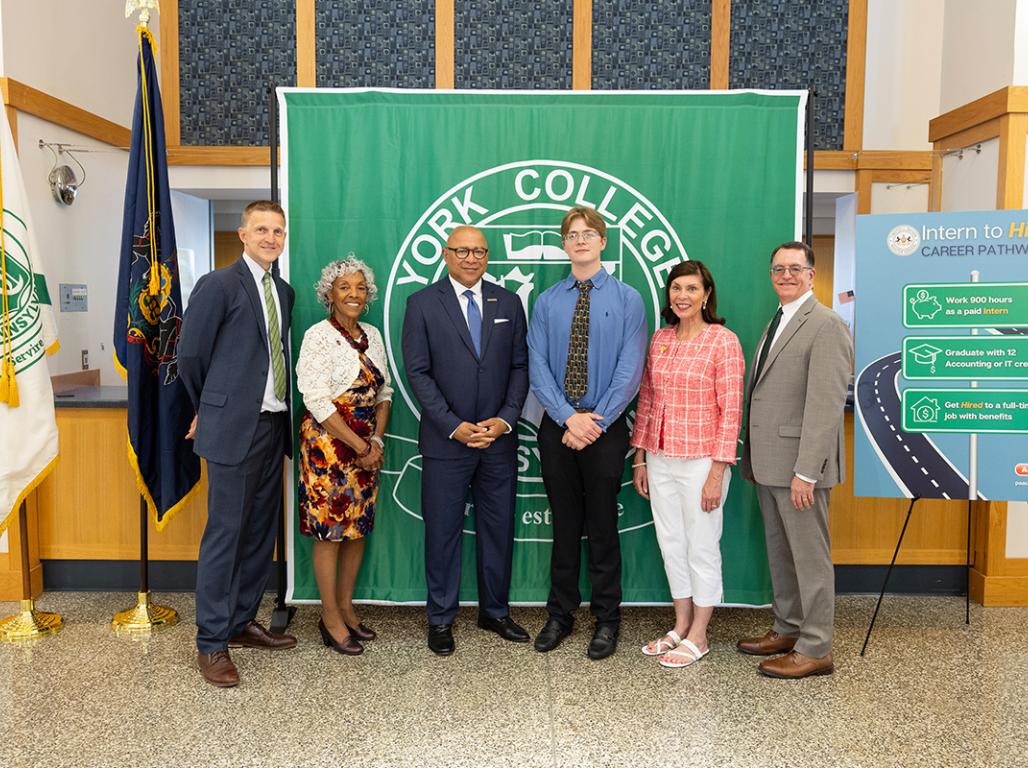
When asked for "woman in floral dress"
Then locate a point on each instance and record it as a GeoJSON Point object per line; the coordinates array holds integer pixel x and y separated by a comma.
{"type": "Point", "coordinates": [343, 376]}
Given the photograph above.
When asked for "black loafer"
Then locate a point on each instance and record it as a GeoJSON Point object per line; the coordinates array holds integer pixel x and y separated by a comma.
{"type": "Point", "coordinates": [604, 643]}
{"type": "Point", "coordinates": [440, 639]}
{"type": "Point", "coordinates": [551, 635]}
{"type": "Point", "coordinates": [506, 628]}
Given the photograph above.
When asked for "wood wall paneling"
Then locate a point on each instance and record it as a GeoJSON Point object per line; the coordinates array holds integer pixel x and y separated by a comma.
{"type": "Point", "coordinates": [582, 45]}
{"type": "Point", "coordinates": [89, 506]}
{"type": "Point", "coordinates": [856, 58]}
{"type": "Point", "coordinates": [169, 65]}
{"type": "Point", "coordinates": [10, 561]}
{"type": "Point", "coordinates": [1013, 130]}
{"type": "Point", "coordinates": [25, 98]}
{"type": "Point", "coordinates": [720, 43]}
{"type": "Point", "coordinates": [444, 43]}
{"type": "Point", "coordinates": [306, 45]}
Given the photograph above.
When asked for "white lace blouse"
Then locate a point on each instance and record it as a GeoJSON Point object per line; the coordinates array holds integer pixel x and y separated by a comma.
{"type": "Point", "coordinates": [328, 366]}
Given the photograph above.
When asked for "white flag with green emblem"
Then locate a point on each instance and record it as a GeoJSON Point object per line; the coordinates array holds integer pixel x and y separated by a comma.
{"type": "Point", "coordinates": [28, 447]}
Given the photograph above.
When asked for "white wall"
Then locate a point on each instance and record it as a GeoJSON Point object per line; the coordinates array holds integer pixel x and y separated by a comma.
{"type": "Point", "coordinates": [969, 182]}
{"type": "Point", "coordinates": [977, 50]}
{"type": "Point", "coordinates": [899, 198]}
{"type": "Point", "coordinates": [902, 72]}
{"type": "Point", "coordinates": [81, 51]}
{"type": "Point", "coordinates": [1017, 529]}
{"type": "Point", "coordinates": [194, 236]}
{"type": "Point", "coordinates": [78, 243]}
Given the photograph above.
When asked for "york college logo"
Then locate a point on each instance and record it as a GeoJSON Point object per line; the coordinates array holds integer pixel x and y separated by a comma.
{"type": "Point", "coordinates": [26, 323]}
{"type": "Point", "coordinates": [519, 207]}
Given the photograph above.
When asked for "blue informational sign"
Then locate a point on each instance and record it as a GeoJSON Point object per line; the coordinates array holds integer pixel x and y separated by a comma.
{"type": "Point", "coordinates": [941, 393]}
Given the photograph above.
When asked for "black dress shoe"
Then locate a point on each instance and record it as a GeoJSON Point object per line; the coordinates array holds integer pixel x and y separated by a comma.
{"type": "Point", "coordinates": [551, 635]}
{"type": "Point", "coordinates": [362, 632]}
{"type": "Point", "coordinates": [506, 628]}
{"type": "Point", "coordinates": [604, 643]}
{"type": "Point", "coordinates": [440, 639]}
{"type": "Point", "coordinates": [348, 647]}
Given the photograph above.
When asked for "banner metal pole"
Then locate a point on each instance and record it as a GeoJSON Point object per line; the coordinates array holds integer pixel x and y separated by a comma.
{"type": "Point", "coordinates": [808, 202]}
{"type": "Point", "coordinates": [28, 623]}
{"type": "Point", "coordinates": [282, 614]}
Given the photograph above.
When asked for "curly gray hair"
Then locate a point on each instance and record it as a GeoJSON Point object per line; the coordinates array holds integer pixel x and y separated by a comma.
{"type": "Point", "coordinates": [346, 266]}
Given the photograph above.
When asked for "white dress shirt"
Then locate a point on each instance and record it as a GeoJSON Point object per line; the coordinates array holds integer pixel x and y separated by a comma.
{"type": "Point", "coordinates": [463, 300]}
{"type": "Point", "coordinates": [476, 291]}
{"type": "Point", "coordinates": [270, 404]}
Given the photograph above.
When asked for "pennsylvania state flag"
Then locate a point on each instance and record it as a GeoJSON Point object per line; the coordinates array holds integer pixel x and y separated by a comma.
{"type": "Point", "coordinates": [148, 315]}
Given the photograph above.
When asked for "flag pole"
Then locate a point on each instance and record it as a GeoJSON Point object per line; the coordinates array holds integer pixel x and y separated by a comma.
{"type": "Point", "coordinates": [28, 623]}
{"type": "Point", "coordinates": [146, 616]}
{"type": "Point", "coordinates": [282, 614]}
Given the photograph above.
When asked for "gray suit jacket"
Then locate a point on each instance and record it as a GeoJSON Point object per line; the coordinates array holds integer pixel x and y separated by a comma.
{"type": "Point", "coordinates": [223, 359]}
{"type": "Point", "coordinates": [795, 422]}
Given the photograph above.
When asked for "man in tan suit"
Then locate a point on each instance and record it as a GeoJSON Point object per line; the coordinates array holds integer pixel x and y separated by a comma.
{"type": "Point", "coordinates": [794, 453]}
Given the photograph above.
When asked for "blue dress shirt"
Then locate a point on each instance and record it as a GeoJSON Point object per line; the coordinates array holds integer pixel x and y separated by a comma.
{"type": "Point", "coordinates": [617, 347]}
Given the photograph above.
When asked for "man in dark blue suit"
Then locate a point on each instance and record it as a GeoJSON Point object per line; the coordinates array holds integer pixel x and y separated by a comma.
{"type": "Point", "coordinates": [466, 359]}
{"type": "Point", "coordinates": [232, 362]}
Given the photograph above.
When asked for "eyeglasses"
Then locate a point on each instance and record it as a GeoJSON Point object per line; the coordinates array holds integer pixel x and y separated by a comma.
{"type": "Point", "coordinates": [793, 269]}
{"type": "Point", "coordinates": [587, 236]}
{"type": "Point", "coordinates": [463, 253]}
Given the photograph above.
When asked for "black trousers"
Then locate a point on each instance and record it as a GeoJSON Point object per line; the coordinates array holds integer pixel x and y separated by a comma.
{"type": "Point", "coordinates": [582, 487]}
{"type": "Point", "coordinates": [243, 503]}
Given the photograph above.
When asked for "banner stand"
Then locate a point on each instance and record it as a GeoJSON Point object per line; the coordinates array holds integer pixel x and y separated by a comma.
{"type": "Point", "coordinates": [145, 616]}
{"type": "Point", "coordinates": [28, 623]}
{"type": "Point", "coordinates": [808, 200]}
{"type": "Point", "coordinates": [282, 614]}
{"type": "Point", "coordinates": [885, 582]}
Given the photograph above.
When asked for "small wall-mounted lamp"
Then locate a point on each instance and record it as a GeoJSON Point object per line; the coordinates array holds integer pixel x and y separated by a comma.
{"type": "Point", "coordinates": [64, 183]}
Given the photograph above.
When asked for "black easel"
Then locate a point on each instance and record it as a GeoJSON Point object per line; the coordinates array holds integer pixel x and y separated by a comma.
{"type": "Point", "coordinates": [885, 582]}
{"type": "Point", "coordinates": [282, 614]}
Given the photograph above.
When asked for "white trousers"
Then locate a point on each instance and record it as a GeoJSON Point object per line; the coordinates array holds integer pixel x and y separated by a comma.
{"type": "Point", "coordinates": [689, 538]}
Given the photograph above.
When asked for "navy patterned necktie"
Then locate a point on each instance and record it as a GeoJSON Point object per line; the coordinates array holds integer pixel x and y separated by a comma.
{"type": "Point", "coordinates": [576, 375]}
{"type": "Point", "coordinates": [474, 321]}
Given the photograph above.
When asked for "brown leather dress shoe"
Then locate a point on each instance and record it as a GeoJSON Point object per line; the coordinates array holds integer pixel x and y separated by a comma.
{"type": "Point", "coordinates": [256, 636]}
{"type": "Point", "coordinates": [795, 665]}
{"type": "Point", "coordinates": [767, 645]}
{"type": "Point", "coordinates": [217, 669]}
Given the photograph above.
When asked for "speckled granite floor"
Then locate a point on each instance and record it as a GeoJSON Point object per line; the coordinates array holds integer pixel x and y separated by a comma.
{"type": "Point", "coordinates": [930, 692]}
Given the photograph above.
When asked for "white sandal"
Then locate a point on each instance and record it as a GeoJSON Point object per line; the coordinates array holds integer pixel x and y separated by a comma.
{"type": "Point", "coordinates": [688, 653]}
{"type": "Point", "coordinates": [669, 642]}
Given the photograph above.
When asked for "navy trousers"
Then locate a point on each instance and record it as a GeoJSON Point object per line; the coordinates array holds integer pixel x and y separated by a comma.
{"type": "Point", "coordinates": [243, 504]}
{"type": "Point", "coordinates": [492, 479]}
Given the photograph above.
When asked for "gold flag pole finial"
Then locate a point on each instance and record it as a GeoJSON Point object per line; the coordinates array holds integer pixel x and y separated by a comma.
{"type": "Point", "coordinates": [143, 7]}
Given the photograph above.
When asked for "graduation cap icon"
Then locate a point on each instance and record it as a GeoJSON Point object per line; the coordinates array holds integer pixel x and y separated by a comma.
{"type": "Point", "coordinates": [925, 353]}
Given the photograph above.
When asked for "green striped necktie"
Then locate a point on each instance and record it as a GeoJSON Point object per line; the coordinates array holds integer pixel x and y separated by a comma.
{"type": "Point", "coordinates": [278, 361]}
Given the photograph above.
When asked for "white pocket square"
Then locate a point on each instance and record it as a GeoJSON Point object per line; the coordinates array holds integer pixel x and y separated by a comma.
{"type": "Point", "coordinates": [501, 320]}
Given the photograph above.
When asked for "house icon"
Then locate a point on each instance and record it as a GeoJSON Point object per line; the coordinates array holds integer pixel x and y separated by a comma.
{"type": "Point", "coordinates": [925, 354]}
{"type": "Point", "coordinates": [925, 411]}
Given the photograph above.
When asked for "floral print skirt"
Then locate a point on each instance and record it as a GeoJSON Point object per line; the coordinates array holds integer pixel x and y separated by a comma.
{"type": "Point", "coordinates": [336, 497]}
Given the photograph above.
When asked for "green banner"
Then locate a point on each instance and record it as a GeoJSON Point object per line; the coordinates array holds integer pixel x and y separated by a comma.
{"type": "Point", "coordinates": [387, 175]}
{"type": "Point", "coordinates": [965, 410]}
{"type": "Point", "coordinates": [965, 305]}
{"type": "Point", "coordinates": [965, 357]}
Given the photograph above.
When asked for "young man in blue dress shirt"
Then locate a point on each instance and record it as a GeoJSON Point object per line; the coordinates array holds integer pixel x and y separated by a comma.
{"type": "Point", "coordinates": [587, 348]}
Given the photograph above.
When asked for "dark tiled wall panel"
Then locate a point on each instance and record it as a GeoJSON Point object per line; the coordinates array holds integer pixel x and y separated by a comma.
{"type": "Point", "coordinates": [512, 44]}
{"type": "Point", "coordinates": [229, 50]}
{"type": "Point", "coordinates": [791, 44]}
{"type": "Point", "coordinates": [641, 45]}
{"type": "Point", "coordinates": [375, 43]}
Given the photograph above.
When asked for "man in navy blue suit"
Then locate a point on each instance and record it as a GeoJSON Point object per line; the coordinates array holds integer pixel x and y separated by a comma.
{"type": "Point", "coordinates": [467, 361]}
{"type": "Point", "coordinates": [232, 361]}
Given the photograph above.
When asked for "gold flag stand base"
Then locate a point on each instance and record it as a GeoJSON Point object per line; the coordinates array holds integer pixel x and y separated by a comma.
{"type": "Point", "coordinates": [145, 617]}
{"type": "Point", "coordinates": [29, 624]}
